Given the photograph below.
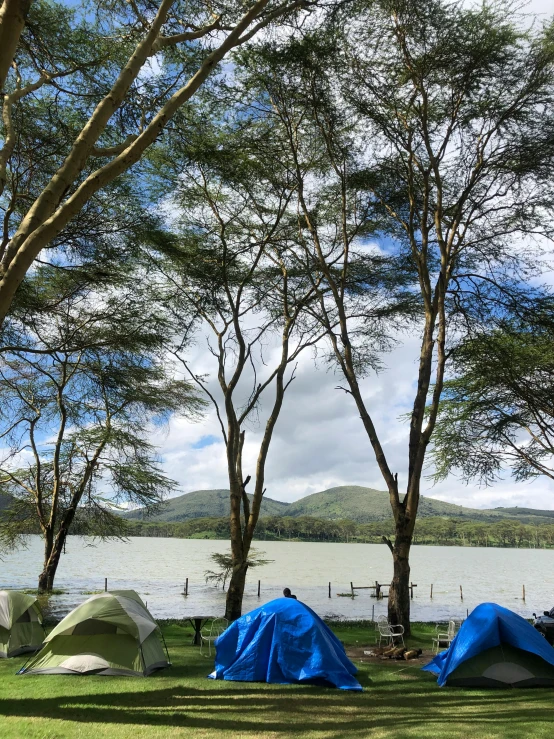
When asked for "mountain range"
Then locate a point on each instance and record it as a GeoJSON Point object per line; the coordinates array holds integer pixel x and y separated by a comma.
{"type": "Point", "coordinates": [352, 502]}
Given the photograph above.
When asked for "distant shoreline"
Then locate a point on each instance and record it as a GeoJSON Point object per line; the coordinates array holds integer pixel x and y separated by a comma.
{"type": "Point", "coordinates": [502, 534]}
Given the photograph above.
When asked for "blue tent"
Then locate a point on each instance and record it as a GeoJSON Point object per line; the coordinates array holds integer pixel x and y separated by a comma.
{"type": "Point", "coordinates": [284, 641]}
{"type": "Point", "coordinates": [495, 648]}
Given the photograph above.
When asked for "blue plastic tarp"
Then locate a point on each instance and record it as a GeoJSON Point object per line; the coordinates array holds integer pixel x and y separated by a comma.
{"type": "Point", "coordinates": [487, 626]}
{"type": "Point", "coordinates": [283, 642]}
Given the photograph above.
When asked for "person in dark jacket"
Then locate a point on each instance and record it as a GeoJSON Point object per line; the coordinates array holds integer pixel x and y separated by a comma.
{"type": "Point", "coordinates": [288, 594]}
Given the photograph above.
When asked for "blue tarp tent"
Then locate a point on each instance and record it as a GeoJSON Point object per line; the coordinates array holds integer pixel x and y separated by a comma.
{"type": "Point", "coordinates": [284, 641]}
{"type": "Point", "coordinates": [495, 648]}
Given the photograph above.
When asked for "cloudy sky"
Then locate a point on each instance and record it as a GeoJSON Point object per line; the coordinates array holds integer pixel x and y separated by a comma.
{"type": "Point", "coordinates": [319, 440]}
{"type": "Point", "coordinates": [320, 443]}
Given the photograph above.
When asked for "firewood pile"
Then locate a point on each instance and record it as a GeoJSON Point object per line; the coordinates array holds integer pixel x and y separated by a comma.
{"type": "Point", "coordinates": [401, 653]}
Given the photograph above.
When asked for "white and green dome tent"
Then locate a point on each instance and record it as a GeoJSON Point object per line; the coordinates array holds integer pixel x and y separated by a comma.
{"type": "Point", "coordinates": [20, 623]}
{"type": "Point", "coordinates": [109, 634]}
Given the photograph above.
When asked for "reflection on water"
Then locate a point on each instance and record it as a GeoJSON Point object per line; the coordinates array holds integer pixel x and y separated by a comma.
{"type": "Point", "coordinates": [157, 569]}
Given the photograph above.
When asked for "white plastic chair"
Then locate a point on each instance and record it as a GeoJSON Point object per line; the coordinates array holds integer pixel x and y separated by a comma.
{"type": "Point", "coordinates": [209, 635]}
{"type": "Point", "coordinates": [445, 637]}
{"type": "Point", "coordinates": [381, 619]}
{"type": "Point", "coordinates": [390, 633]}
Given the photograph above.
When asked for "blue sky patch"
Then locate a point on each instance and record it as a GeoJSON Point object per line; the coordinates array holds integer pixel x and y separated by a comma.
{"type": "Point", "coordinates": [205, 441]}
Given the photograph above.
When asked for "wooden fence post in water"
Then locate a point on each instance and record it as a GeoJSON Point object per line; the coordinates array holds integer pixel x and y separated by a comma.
{"type": "Point", "coordinates": [329, 590]}
{"type": "Point", "coordinates": [186, 588]}
{"type": "Point", "coordinates": [461, 593]}
{"type": "Point", "coordinates": [105, 584]}
{"type": "Point", "coordinates": [524, 592]}
{"type": "Point", "coordinates": [258, 588]}
{"type": "Point", "coordinates": [373, 613]}
{"type": "Point", "coordinates": [352, 589]}
{"type": "Point", "coordinates": [431, 590]}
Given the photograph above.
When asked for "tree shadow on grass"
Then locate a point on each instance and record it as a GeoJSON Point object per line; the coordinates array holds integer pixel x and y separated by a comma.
{"type": "Point", "coordinates": [252, 711]}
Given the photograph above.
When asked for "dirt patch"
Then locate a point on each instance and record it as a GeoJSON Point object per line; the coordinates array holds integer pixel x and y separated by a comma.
{"type": "Point", "coordinates": [358, 654]}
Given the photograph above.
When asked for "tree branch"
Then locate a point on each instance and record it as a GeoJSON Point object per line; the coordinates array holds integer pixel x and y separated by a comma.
{"type": "Point", "coordinates": [163, 41]}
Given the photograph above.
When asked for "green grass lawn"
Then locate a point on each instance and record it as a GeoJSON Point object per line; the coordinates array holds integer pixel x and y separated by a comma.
{"type": "Point", "coordinates": [398, 701]}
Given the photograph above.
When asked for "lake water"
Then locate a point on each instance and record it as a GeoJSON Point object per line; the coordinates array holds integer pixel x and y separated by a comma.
{"type": "Point", "coordinates": [157, 568]}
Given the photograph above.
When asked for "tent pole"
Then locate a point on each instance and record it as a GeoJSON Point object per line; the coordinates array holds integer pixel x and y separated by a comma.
{"type": "Point", "coordinates": [143, 661]}
{"type": "Point", "coordinates": [31, 656]}
{"type": "Point", "coordinates": [165, 645]}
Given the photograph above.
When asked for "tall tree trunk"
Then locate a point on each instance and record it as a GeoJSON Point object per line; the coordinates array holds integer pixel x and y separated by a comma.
{"type": "Point", "coordinates": [399, 592]}
{"type": "Point", "coordinates": [46, 577]}
{"type": "Point", "coordinates": [52, 552]}
{"type": "Point", "coordinates": [48, 546]}
{"type": "Point", "coordinates": [233, 604]}
{"type": "Point", "coordinates": [13, 14]}
{"type": "Point", "coordinates": [53, 548]}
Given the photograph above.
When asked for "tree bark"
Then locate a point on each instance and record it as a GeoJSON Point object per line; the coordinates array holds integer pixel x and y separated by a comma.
{"type": "Point", "coordinates": [53, 549]}
{"type": "Point", "coordinates": [48, 544]}
{"type": "Point", "coordinates": [399, 592]}
{"type": "Point", "coordinates": [13, 14]}
{"type": "Point", "coordinates": [53, 546]}
{"type": "Point", "coordinates": [233, 605]}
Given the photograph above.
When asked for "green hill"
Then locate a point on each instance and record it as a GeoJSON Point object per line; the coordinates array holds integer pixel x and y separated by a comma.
{"type": "Point", "coordinates": [526, 515]}
{"type": "Point", "coordinates": [516, 511]}
{"type": "Point", "coordinates": [365, 505]}
{"type": "Point", "coordinates": [353, 502]}
{"type": "Point", "coordinates": [203, 504]}
{"type": "Point", "coordinates": [348, 501]}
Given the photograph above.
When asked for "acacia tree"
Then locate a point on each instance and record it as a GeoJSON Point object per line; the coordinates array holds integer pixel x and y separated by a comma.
{"type": "Point", "coordinates": [497, 409]}
{"type": "Point", "coordinates": [228, 266]}
{"type": "Point", "coordinates": [442, 116]}
{"type": "Point", "coordinates": [224, 564]}
{"type": "Point", "coordinates": [79, 386]}
{"type": "Point", "coordinates": [86, 90]}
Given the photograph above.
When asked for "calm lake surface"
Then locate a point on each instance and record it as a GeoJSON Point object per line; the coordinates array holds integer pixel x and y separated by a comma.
{"type": "Point", "coordinates": [157, 568]}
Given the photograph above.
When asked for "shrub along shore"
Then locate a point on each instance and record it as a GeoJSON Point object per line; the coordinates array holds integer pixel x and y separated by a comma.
{"type": "Point", "coordinates": [430, 531]}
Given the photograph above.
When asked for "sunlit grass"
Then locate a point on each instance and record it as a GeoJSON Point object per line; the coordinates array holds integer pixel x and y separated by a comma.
{"type": "Point", "coordinates": [398, 701]}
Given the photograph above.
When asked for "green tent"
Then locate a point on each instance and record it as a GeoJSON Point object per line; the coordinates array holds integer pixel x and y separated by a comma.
{"type": "Point", "coordinates": [503, 666]}
{"type": "Point", "coordinates": [20, 623]}
{"type": "Point", "coordinates": [109, 634]}
{"type": "Point", "coordinates": [495, 648]}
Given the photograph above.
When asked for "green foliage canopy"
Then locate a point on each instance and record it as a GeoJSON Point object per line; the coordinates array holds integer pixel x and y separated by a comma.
{"type": "Point", "coordinates": [80, 392]}
{"type": "Point", "coordinates": [498, 408]}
